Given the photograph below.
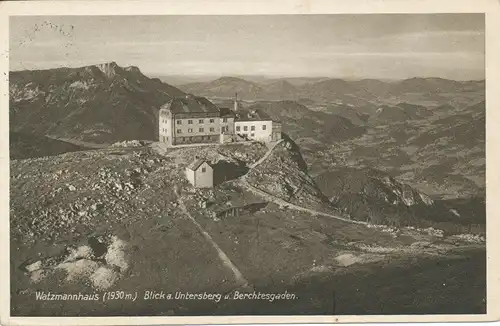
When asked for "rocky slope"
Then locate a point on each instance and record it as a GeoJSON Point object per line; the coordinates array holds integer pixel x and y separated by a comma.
{"type": "Point", "coordinates": [284, 175]}
{"type": "Point", "coordinates": [100, 103]}
{"type": "Point", "coordinates": [376, 197]}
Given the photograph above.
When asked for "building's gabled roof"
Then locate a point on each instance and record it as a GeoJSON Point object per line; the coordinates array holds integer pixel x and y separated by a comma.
{"type": "Point", "coordinates": [252, 115]}
{"type": "Point", "coordinates": [196, 164]}
{"type": "Point", "coordinates": [190, 103]}
{"type": "Point", "coordinates": [226, 112]}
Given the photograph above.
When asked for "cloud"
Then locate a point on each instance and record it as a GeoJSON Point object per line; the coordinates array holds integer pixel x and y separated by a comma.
{"type": "Point", "coordinates": [333, 45]}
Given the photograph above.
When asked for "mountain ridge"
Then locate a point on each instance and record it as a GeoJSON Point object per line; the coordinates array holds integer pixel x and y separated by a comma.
{"type": "Point", "coordinates": [331, 88]}
{"type": "Point", "coordinates": [89, 103]}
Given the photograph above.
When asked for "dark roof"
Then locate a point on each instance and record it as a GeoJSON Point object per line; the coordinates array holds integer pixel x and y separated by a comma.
{"type": "Point", "coordinates": [196, 164]}
{"type": "Point", "coordinates": [251, 115]}
{"type": "Point", "coordinates": [226, 112]}
{"type": "Point", "coordinates": [190, 103]}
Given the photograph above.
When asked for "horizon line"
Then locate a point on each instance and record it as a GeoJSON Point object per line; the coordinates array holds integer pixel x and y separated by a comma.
{"type": "Point", "coordinates": [241, 76]}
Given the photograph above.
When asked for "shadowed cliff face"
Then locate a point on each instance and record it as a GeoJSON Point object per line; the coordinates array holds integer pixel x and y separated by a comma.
{"type": "Point", "coordinates": [100, 103]}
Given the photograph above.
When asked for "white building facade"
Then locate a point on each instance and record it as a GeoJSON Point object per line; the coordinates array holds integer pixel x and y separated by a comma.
{"type": "Point", "coordinates": [254, 129]}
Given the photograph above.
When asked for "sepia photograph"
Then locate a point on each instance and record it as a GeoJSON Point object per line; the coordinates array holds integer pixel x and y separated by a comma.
{"type": "Point", "coordinates": [247, 165]}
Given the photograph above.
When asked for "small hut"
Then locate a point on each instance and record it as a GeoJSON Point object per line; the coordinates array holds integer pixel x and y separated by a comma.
{"type": "Point", "coordinates": [200, 173]}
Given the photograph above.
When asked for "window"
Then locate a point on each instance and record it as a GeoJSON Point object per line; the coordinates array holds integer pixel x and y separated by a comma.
{"type": "Point", "coordinates": [212, 120]}
{"type": "Point", "coordinates": [201, 121]}
{"type": "Point", "coordinates": [252, 134]}
{"type": "Point", "coordinates": [245, 128]}
{"type": "Point", "coordinates": [224, 119]}
{"type": "Point", "coordinates": [179, 122]}
{"type": "Point", "coordinates": [264, 127]}
{"type": "Point", "coordinates": [179, 131]}
{"type": "Point", "coordinates": [212, 129]}
{"type": "Point", "coordinates": [190, 122]}
{"type": "Point", "coordinates": [252, 128]}
{"type": "Point", "coordinates": [237, 128]}
{"type": "Point", "coordinates": [201, 129]}
{"type": "Point", "coordinates": [203, 170]}
{"type": "Point", "coordinates": [166, 138]}
{"type": "Point", "coordinates": [190, 130]}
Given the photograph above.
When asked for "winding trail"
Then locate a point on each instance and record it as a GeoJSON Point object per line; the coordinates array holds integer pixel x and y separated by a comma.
{"type": "Point", "coordinates": [266, 155]}
{"type": "Point", "coordinates": [269, 197]}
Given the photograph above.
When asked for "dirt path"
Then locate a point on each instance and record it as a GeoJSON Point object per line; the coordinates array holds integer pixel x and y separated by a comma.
{"type": "Point", "coordinates": [266, 155]}
{"type": "Point", "coordinates": [240, 279]}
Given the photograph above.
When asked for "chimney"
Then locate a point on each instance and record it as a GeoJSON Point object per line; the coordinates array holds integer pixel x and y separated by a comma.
{"type": "Point", "coordinates": [235, 102]}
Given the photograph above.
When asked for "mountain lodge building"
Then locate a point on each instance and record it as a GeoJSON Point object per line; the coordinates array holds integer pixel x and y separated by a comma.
{"type": "Point", "coordinates": [196, 120]}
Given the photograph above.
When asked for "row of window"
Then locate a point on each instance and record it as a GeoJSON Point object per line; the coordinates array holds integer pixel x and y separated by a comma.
{"type": "Point", "coordinates": [179, 131]}
{"type": "Point", "coordinates": [252, 128]}
{"type": "Point", "coordinates": [192, 139]}
{"type": "Point", "coordinates": [200, 121]}
{"type": "Point", "coordinates": [223, 129]}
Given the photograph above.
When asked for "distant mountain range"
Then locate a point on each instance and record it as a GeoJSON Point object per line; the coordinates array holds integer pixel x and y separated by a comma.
{"type": "Point", "coordinates": [327, 89]}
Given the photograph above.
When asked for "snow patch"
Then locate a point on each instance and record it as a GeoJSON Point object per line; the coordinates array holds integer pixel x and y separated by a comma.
{"type": "Point", "coordinates": [79, 269]}
{"type": "Point", "coordinates": [103, 278]}
{"type": "Point", "coordinates": [115, 255]}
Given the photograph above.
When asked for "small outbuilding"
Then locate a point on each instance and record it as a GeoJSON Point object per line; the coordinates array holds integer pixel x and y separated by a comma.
{"type": "Point", "coordinates": [200, 173]}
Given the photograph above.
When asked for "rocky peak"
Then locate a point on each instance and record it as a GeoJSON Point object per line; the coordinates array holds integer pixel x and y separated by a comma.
{"type": "Point", "coordinates": [110, 69]}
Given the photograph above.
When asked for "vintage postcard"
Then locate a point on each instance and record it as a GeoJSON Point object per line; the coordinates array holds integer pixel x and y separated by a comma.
{"type": "Point", "coordinates": [213, 162]}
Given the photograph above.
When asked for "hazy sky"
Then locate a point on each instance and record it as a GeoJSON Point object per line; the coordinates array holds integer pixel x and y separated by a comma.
{"type": "Point", "coordinates": [346, 46]}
